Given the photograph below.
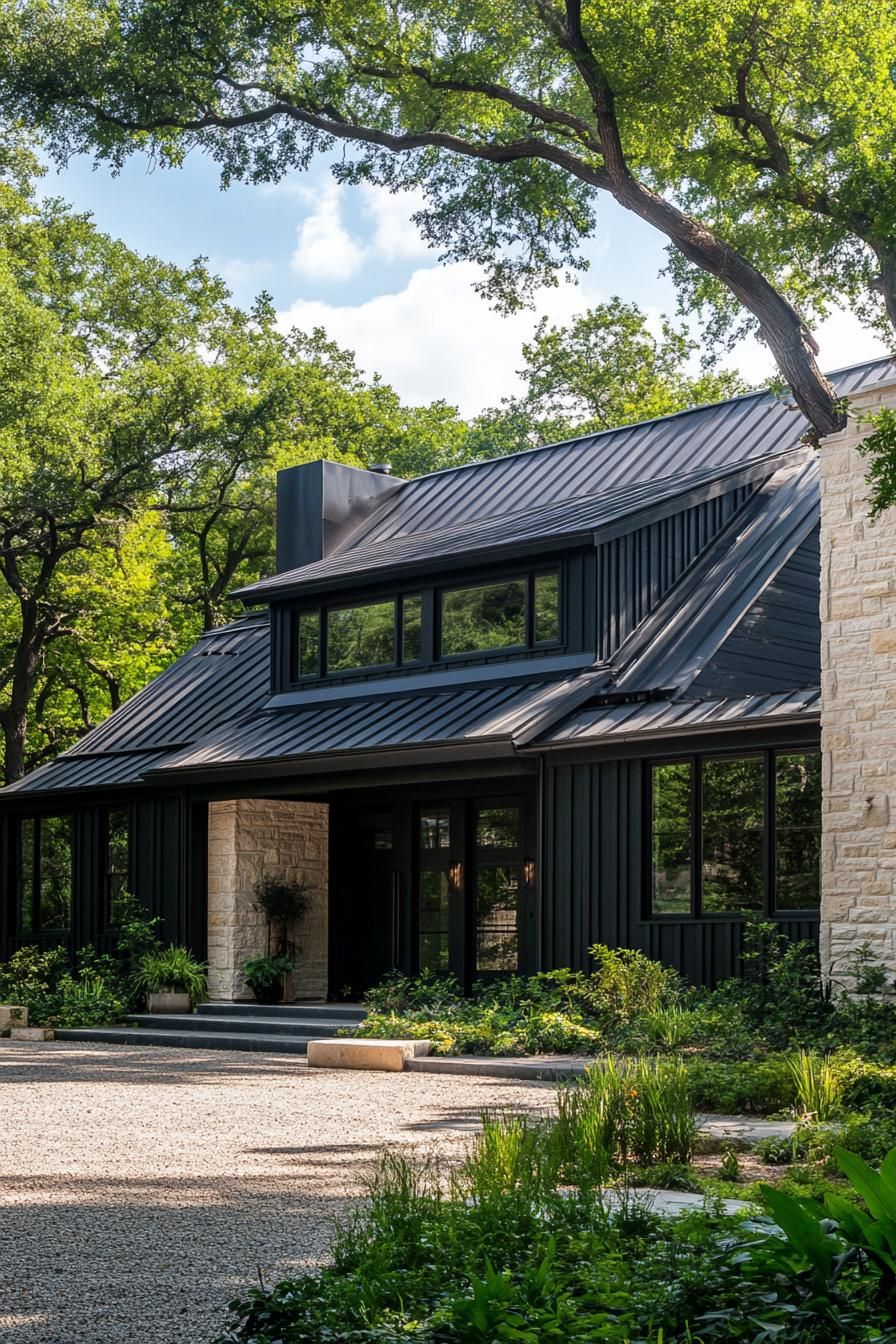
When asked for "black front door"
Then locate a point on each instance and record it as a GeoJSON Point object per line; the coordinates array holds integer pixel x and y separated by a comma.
{"type": "Point", "coordinates": [364, 920]}
{"type": "Point", "coordinates": [445, 885]}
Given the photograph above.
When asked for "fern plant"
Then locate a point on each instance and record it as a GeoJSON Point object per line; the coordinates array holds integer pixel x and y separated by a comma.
{"type": "Point", "coordinates": [173, 970]}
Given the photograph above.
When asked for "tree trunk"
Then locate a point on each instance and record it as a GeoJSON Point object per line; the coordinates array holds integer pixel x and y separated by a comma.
{"type": "Point", "coordinates": [24, 678]}
{"type": "Point", "coordinates": [783, 330]}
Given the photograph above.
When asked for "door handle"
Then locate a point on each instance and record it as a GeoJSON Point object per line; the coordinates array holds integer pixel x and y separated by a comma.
{"type": "Point", "coordinates": [396, 920]}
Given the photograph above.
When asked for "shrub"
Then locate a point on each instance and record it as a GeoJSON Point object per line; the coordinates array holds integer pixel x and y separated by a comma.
{"type": "Point", "coordinates": [173, 970]}
{"type": "Point", "coordinates": [88, 1002]}
{"type": "Point", "coordinates": [732, 1087]}
{"type": "Point", "coordinates": [33, 978]}
{"type": "Point", "coordinates": [626, 984]}
{"type": "Point", "coordinates": [283, 903]}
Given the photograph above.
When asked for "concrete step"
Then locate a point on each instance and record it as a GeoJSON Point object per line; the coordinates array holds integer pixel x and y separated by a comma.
{"type": "Point", "coordinates": [331, 1012]}
{"type": "Point", "coordinates": [265, 1026]}
{"type": "Point", "coordinates": [187, 1040]}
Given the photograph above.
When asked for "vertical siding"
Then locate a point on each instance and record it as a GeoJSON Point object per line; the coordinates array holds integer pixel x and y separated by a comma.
{"type": "Point", "coordinates": [167, 870]}
{"type": "Point", "coordinates": [636, 571]}
{"type": "Point", "coordinates": [594, 877]}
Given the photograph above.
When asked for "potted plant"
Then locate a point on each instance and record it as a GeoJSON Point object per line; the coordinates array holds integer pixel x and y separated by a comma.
{"type": "Point", "coordinates": [284, 903]}
{"type": "Point", "coordinates": [265, 976]}
{"type": "Point", "coordinates": [172, 980]}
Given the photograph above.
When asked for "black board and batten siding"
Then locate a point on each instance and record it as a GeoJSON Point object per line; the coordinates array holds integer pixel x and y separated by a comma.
{"type": "Point", "coordinates": [593, 865]}
{"type": "Point", "coordinates": [637, 570]}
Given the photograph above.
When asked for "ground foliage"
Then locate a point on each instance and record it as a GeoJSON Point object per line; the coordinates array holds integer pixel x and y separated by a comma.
{"type": "Point", "coordinates": [101, 987]}
{"type": "Point", "coordinates": [521, 1243]}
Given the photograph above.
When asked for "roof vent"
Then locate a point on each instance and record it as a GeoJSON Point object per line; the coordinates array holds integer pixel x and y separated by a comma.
{"type": "Point", "coordinates": [381, 468]}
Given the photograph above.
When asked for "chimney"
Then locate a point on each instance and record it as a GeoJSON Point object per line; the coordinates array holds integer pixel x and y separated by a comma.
{"type": "Point", "coordinates": [319, 505]}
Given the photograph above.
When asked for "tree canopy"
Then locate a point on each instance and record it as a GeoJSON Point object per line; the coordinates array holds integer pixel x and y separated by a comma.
{"type": "Point", "coordinates": [756, 137]}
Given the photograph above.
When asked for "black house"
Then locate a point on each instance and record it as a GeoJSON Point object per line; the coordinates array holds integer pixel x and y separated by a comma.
{"type": "Point", "coordinates": [494, 715]}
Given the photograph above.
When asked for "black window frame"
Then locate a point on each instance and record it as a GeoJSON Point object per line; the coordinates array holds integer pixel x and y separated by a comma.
{"type": "Point", "coordinates": [34, 879]}
{"type": "Point", "coordinates": [110, 873]}
{"type": "Point", "coordinates": [696, 760]}
{"type": "Point", "coordinates": [430, 596]}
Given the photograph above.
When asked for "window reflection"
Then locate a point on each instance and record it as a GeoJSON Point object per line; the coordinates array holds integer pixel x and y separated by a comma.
{"type": "Point", "coordinates": [308, 643]}
{"type": "Point", "coordinates": [798, 831]}
{"type": "Point", "coordinates": [411, 629]}
{"type": "Point", "coordinates": [498, 827]}
{"type": "Point", "coordinates": [546, 617]}
{"type": "Point", "coordinates": [488, 616]}
{"type": "Point", "coordinates": [497, 917]}
{"type": "Point", "coordinates": [361, 636]}
{"type": "Point", "coordinates": [733, 831]}
{"type": "Point", "coordinates": [435, 829]}
{"type": "Point", "coordinates": [434, 916]}
{"type": "Point", "coordinates": [671, 859]}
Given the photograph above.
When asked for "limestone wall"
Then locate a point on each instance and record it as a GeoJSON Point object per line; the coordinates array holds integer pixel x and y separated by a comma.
{"type": "Point", "coordinates": [858, 738]}
{"type": "Point", "coordinates": [247, 839]}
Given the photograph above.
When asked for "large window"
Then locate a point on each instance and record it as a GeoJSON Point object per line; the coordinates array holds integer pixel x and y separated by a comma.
{"type": "Point", "coordinates": [499, 878]}
{"type": "Point", "coordinates": [361, 636]}
{"type": "Point", "coordinates": [116, 864]}
{"type": "Point", "coordinates": [513, 613]}
{"type": "Point", "coordinates": [413, 629]}
{"type": "Point", "coordinates": [735, 834]}
{"type": "Point", "coordinates": [45, 875]}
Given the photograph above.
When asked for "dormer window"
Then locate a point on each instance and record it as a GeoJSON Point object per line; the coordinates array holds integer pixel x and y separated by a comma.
{"type": "Point", "coordinates": [515, 613]}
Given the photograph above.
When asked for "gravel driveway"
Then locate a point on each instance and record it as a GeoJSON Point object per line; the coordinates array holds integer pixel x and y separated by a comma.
{"type": "Point", "coordinates": [142, 1188]}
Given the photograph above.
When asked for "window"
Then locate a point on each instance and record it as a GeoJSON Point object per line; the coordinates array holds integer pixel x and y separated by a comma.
{"type": "Point", "coordinates": [499, 877]}
{"type": "Point", "coordinates": [116, 864]}
{"type": "Point", "coordinates": [671, 856]}
{"type": "Point", "coordinates": [514, 613]}
{"type": "Point", "coordinates": [797, 831]}
{"type": "Point", "coordinates": [435, 889]}
{"type": "Point", "coordinates": [361, 636]}
{"type": "Point", "coordinates": [308, 644]}
{"type": "Point", "coordinates": [754, 821]}
{"type": "Point", "coordinates": [412, 629]}
{"type": "Point", "coordinates": [733, 815]}
{"type": "Point", "coordinates": [45, 875]}
{"type": "Point", "coordinates": [546, 606]}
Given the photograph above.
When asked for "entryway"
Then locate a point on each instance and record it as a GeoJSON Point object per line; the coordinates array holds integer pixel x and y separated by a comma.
{"type": "Point", "coordinates": [439, 883]}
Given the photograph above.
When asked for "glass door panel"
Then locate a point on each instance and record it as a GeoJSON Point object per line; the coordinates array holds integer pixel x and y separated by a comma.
{"type": "Point", "coordinates": [498, 879]}
{"type": "Point", "coordinates": [436, 878]}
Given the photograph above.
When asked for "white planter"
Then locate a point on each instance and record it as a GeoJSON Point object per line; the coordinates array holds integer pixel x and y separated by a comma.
{"type": "Point", "coordinates": [168, 1003]}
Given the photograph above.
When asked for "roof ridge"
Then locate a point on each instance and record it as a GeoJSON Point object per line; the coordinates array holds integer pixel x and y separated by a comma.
{"type": "Point", "coordinates": [635, 424]}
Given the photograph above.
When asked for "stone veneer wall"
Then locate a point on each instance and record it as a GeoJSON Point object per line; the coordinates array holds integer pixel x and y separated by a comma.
{"type": "Point", "coordinates": [247, 839]}
{"type": "Point", "coordinates": [858, 716]}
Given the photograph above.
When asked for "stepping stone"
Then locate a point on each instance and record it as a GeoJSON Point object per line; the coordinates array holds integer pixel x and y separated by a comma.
{"type": "Point", "coordinates": [670, 1203]}
{"type": "Point", "coordinates": [31, 1034]}
{"type": "Point", "coordinates": [348, 1053]}
{"type": "Point", "coordinates": [741, 1132]}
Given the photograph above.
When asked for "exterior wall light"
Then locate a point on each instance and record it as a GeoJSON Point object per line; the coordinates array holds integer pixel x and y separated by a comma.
{"type": "Point", "coordinates": [529, 872]}
{"type": "Point", "coordinates": [455, 875]}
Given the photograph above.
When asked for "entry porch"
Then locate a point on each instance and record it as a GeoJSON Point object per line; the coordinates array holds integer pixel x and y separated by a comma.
{"type": "Point", "coordinates": [439, 877]}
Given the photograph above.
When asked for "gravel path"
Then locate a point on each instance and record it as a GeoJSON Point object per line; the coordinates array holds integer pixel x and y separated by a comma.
{"type": "Point", "coordinates": [142, 1188]}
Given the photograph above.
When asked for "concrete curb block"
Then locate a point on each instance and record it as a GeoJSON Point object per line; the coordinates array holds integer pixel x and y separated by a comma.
{"type": "Point", "coordinates": [352, 1053]}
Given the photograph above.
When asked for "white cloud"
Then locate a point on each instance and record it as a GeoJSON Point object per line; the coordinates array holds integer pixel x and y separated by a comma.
{"type": "Point", "coordinates": [395, 235]}
{"type": "Point", "coordinates": [245, 278]}
{"type": "Point", "coordinates": [325, 249]}
{"type": "Point", "coordinates": [436, 338]}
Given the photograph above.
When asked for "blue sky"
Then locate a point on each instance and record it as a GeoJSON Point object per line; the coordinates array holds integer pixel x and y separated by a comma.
{"type": "Point", "coordinates": [350, 259]}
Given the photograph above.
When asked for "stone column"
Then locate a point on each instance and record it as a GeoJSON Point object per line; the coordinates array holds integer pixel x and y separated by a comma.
{"type": "Point", "coordinates": [250, 838]}
{"type": "Point", "coordinates": [858, 714]}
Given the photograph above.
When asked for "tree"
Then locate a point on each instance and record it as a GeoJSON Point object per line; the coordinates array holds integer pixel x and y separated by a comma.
{"type": "Point", "coordinates": [606, 368]}
{"type": "Point", "coordinates": [512, 119]}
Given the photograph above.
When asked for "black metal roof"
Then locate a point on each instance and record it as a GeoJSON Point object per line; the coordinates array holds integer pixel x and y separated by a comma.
{"type": "Point", "coordinates": [212, 709]}
{"type": "Point", "coordinates": [544, 527]}
{"type": "Point", "coordinates": [665, 717]}
{"type": "Point", "coordinates": [719, 436]}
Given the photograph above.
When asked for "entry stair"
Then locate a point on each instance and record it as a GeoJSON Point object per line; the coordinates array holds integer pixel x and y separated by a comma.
{"type": "Point", "coordinates": [281, 1029]}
